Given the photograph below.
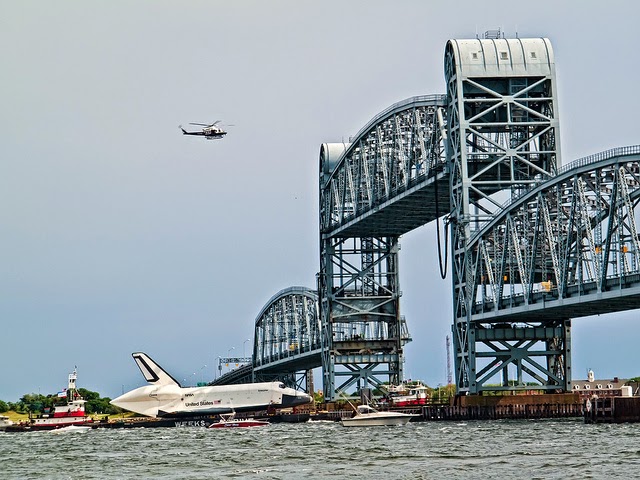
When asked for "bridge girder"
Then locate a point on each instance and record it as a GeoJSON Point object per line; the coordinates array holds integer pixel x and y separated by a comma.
{"type": "Point", "coordinates": [377, 185]}
{"type": "Point", "coordinates": [286, 342]}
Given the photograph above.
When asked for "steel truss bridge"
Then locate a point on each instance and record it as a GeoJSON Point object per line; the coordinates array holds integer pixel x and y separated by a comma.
{"type": "Point", "coordinates": [532, 243]}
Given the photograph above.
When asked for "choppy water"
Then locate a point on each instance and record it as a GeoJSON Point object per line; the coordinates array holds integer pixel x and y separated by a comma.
{"type": "Point", "coordinates": [429, 450]}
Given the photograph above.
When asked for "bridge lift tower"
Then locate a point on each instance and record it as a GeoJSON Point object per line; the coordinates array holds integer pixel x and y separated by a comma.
{"type": "Point", "coordinates": [362, 331]}
{"type": "Point", "coordinates": [372, 191]}
{"type": "Point", "coordinates": [503, 138]}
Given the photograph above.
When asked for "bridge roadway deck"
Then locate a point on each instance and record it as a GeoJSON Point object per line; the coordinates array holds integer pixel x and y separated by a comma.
{"type": "Point", "coordinates": [579, 301]}
{"type": "Point", "coordinates": [295, 363]}
{"type": "Point", "coordinates": [423, 202]}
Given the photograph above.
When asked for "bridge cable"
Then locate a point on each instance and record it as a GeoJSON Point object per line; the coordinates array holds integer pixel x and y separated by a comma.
{"type": "Point", "coordinates": [443, 272]}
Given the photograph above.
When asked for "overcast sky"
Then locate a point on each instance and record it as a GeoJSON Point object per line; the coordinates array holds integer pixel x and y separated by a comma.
{"type": "Point", "coordinates": [119, 234]}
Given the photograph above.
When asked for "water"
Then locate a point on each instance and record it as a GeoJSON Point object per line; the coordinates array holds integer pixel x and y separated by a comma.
{"type": "Point", "coordinates": [535, 449]}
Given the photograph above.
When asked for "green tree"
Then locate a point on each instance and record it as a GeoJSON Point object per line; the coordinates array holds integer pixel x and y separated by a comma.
{"type": "Point", "coordinates": [88, 395]}
{"type": "Point", "coordinates": [96, 404]}
{"type": "Point", "coordinates": [36, 403]}
{"type": "Point", "coordinates": [31, 402]}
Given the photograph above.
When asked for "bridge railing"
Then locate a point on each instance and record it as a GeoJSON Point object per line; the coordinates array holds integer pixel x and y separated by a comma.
{"type": "Point", "coordinates": [597, 157]}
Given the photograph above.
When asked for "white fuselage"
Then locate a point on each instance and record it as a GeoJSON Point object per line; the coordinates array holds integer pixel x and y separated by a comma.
{"type": "Point", "coordinates": [172, 400]}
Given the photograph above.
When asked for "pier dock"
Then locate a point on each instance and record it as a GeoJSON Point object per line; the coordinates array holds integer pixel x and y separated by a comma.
{"type": "Point", "coordinates": [612, 410]}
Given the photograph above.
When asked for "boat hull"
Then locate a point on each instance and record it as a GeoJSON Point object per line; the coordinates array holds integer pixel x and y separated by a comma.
{"type": "Point", "coordinates": [367, 416]}
{"type": "Point", "coordinates": [71, 429]}
{"type": "Point", "coordinates": [55, 423]}
{"type": "Point", "coordinates": [43, 427]}
{"type": "Point", "coordinates": [376, 421]}
{"type": "Point", "coordinates": [239, 424]}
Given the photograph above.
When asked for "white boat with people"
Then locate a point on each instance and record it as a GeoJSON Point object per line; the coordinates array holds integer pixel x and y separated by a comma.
{"type": "Point", "coordinates": [367, 416]}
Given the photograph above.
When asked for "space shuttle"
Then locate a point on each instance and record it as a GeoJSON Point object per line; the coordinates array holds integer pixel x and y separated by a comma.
{"type": "Point", "coordinates": [165, 397]}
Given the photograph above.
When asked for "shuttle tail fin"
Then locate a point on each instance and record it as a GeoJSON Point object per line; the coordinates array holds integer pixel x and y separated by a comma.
{"type": "Point", "coordinates": [151, 371]}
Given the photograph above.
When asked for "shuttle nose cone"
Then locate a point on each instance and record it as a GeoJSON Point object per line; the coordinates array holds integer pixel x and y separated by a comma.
{"type": "Point", "coordinates": [127, 400]}
{"type": "Point", "coordinates": [300, 398]}
{"type": "Point", "coordinates": [137, 401]}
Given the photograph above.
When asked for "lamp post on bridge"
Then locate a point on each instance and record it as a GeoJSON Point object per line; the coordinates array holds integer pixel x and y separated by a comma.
{"type": "Point", "coordinates": [243, 347]}
{"type": "Point", "coordinates": [202, 373]}
{"type": "Point", "coordinates": [229, 355]}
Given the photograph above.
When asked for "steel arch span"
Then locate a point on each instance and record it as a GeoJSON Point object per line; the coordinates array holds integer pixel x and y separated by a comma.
{"type": "Point", "coordinates": [563, 249]}
{"type": "Point", "coordinates": [287, 337]}
{"type": "Point", "coordinates": [286, 343]}
{"type": "Point", "coordinates": [378, 183]}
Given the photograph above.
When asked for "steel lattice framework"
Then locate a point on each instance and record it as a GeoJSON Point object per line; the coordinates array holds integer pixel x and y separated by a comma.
{"type": "Point", "coordinates": [287, 337]}
{"type": "Point", "coordinates": [566, 238]}
{"type": "Point", "coordinates": [533, 244]}
{"type": "Point", "coordinates": [380, 179]}
{"type": "Point", "coordinates": [503, 136]}
{"type": "Point", "coordinates": [286, 342]}
{"type": "Point", "coordinates": [566, 248]}
{"type": "Point", "coordinates": [375, 185]}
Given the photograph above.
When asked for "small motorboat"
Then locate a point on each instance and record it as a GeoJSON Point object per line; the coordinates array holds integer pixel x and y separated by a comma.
{"type": "Point", "coordinates": [366, 416]}
{"type": "Point", "coordinates": [228, 420]}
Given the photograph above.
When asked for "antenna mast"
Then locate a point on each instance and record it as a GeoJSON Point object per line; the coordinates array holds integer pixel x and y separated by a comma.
{"type": "Point", "coordinates": [449, 375]}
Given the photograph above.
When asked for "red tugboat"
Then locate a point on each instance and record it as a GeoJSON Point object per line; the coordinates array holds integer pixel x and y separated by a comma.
{"type": "Point", "coordinates": [408, 396]}
{"type": "Point", "coordinates": [71, 412]}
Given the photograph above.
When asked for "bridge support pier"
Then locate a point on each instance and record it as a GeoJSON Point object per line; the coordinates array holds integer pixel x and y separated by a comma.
{"type": "Point", "coordinates": [362, 331]}
{"type": "Point", "coordinates": [513, 353]}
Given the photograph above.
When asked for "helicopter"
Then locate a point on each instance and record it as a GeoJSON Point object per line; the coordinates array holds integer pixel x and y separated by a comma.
{"type": "Point", "coordinates": [210, 132]}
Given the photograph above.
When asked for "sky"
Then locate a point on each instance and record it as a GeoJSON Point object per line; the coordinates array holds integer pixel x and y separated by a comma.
{"type": "Point", "coordinates": [119, 234]}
